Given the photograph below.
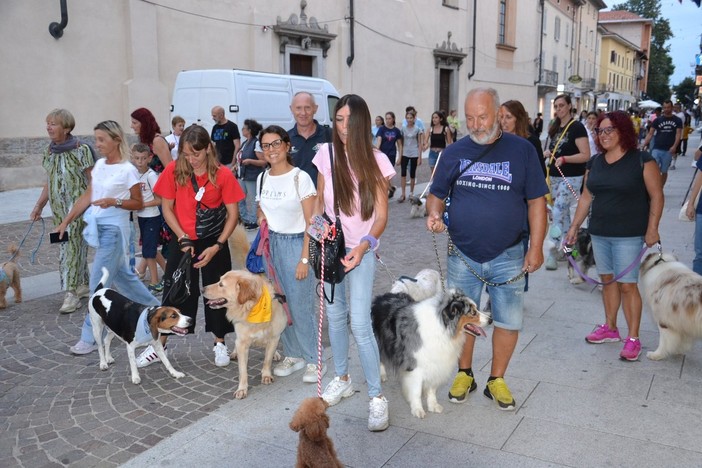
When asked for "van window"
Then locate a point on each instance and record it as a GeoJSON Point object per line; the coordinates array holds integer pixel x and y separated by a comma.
{"type": "Point", "coordinates": [331, 102]}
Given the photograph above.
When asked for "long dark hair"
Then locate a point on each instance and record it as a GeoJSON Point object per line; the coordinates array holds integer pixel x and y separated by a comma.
{"type": "Point", "coordinates": [556, 123]}
{"type": "Point", "coordinates": [149, 127]}
{"type": "Point", "coordinates": [358, 158]}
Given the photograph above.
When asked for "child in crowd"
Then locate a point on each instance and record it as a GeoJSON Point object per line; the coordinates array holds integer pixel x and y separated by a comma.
{"type": "Point", "coordinates": [149, 217]}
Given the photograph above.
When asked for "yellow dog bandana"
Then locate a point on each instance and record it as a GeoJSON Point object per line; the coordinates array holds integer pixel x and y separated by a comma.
{"type": "Point", "coordinates": [261, 312]}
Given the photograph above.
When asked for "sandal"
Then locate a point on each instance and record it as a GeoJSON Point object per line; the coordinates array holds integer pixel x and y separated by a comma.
{"type": "Point", "coordinates": [401, 199]}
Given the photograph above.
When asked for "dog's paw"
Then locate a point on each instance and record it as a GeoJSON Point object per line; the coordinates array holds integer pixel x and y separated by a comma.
{"type": "Point", "coordinates": [103, 366]}
{"type": "Point", "coordinates": [232, 355]}
{"type": "Point", "coordinates": [576, 280]}
{"type": "Point", "coordinates": [277, 356]}
{"type": "Point", "coordinates": [241, 393]}
{"type": "Point", "coordinates": [435, 408]}
{"type": "Point", "coordinates": [177, 375]}
{"type": "Point", "coordinates": [419, 412]}
{"type": "Point", "coordinates": [136, 380]}
{"type": "Point", "coordinates": [267, 379]}
{"type": "Point", "coordinates": [655, 356]}
{"type": "Point", "coordinates": [383, 373]}
{"type": "Point", "coordinates": [110, 360]}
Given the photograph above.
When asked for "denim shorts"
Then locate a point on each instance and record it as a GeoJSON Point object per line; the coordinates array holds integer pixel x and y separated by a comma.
{"type": "Point", "coordinates": [433, 156]}
{"type": "Point", "coordinates": [150, 229]}
{"type": "Point", "coordinates": [615, 254]}
{"type": "Point", "coordinates": [507, 301]}
{"type": "Point", "coordinates": [663, 158]}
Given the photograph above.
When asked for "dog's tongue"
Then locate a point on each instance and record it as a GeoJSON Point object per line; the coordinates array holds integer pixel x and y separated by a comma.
{"type": "Point", "coordinates": [474, 330]}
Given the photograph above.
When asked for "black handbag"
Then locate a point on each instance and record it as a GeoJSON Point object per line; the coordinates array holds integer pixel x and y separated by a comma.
{"type": "Point", "coordinates": [209, 222]}
{"type": "Point", "coordinates": [176, 289]}
{"type": "Point", "coordinates": [333, 245]}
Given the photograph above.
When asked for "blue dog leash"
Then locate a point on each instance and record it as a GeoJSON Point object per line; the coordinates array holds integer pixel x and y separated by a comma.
{"type": "Point", "coordinates": [26, 234]}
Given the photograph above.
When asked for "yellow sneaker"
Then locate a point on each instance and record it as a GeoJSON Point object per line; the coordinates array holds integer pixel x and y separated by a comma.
{"type": "Point", "coordinates": [498, 391]}
{"type": "Point", "coordinates": [462, 385]}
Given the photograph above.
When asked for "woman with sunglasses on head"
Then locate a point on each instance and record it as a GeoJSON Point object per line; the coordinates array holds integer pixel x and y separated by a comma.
{"type": "Point", "coordinates": [197, 166]}
{"type": "Point", "coordinates": [358, 186]}
{"type": "Point", "coordinates": [287, 198]}
{"type": "Point", "coordinates": [568, 151]}
{"type": "Point", "coordinates": [624, 193]}
{"type": "Point", "coordinates": [113, 191]}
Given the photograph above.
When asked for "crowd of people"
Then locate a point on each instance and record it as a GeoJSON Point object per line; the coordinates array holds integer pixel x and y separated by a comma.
{"type": "Point", "coordinates": [281, 179]}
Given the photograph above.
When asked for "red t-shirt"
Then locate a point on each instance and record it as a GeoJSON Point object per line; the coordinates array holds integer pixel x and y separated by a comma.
{"type": "Point", "coordinates": [227, 191]}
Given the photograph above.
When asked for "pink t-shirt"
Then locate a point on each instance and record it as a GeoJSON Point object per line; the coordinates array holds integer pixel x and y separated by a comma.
{"type": "Point", "coordinates": [354, 226]}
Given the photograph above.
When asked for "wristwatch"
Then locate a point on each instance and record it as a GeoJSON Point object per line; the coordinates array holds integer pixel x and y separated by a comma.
{"type": "Point", "coordinates": [118, 202]}
{"type": "Point", "coordinates": [304, 260]}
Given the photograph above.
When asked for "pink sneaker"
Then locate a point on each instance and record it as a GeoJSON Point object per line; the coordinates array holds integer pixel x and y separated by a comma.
{"type": "Point", "coordinates": [631, 350]}
{"type": "Point", "coordinates": [603, 334]}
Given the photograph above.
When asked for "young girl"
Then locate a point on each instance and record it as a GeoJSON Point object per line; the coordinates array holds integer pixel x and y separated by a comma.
{"type": "Point", "coordinates": [413, 140]}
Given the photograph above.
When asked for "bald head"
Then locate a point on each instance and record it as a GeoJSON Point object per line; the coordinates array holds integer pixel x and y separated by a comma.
{"type": "Point", "coordinates": [218, 115]}
{"type": "Point", "coordinates": [303, 109]}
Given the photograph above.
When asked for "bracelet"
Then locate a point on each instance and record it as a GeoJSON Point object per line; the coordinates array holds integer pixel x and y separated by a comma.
{"type": "Point", "coordinates": [371, 240]}
{"type": "Point", "coordinates": [220, 245]}
{"type": "Point", "coordinates": [184, 236]}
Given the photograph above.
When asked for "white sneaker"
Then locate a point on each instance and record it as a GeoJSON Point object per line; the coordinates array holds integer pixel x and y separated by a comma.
{"type": "Point", "coordinates": [83, 291]}
{"type": "Point", "coordinates": [311, 373]}
{"type": "Point", "coordinates": [378, 414]}
{"type": "Point", "coordinates": [71, 303]}
{"type": "Point", "coordinates": [83, 348]}
{"type": "Point", "coordinates": [221, 355]}
{"type": "Point", "coordinates": [288, 366]}
{"type": "Point", "coordinates": [336, 390]}
{"type": "Point", "coordinates": [148, 357]}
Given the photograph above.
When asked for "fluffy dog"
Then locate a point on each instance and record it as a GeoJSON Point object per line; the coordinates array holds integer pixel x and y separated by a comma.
{"type": "Point", "coordinates": [582, 255]}
{"type": "Point", "coordinates": [674, 295]}
{"type": "Point", "coordinates": [240, 292]}
{"type": "Point", "coordinates": [135, 324]}
{"type": "Point", "coordinates": [418, 207]}
{"type": "Point", "coordinates": [10, 278]}
{"type": "Point", "coordinates": [239, 246]}
{"type": "Point", "coordinates": [315, 448]}
{"type": "Point", "coordinates": [426, 284]}
{"type": "Point", "coordinates": [422, 340]}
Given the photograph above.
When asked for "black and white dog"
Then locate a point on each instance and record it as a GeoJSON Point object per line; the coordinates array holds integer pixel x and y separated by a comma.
{"type": "Point", "coordinates": [423, 339]}
{"type": "Point", "coordinates": [135, 324]}
{"type": "Point", "coordinates": [583, 256]}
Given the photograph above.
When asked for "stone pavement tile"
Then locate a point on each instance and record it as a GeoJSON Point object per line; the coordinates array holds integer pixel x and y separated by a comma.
{"type": "Point", "coordinates": [632, 417]}
{"type": "Point", "coordinates": [429, 450]}
{"type": "Point", "coordinates": [684, 391]}
{"type": "Point", "coordinates": [585, 447]}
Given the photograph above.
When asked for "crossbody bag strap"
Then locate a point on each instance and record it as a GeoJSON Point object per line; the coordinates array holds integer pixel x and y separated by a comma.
{"type": "Point", "coordinates": [331, 161]}
{"type": "Point", "coordinates": [558, 142]}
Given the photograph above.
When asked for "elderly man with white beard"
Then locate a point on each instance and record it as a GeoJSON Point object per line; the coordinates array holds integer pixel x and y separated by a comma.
{"type": "Point", "coordinates": [496, 189]}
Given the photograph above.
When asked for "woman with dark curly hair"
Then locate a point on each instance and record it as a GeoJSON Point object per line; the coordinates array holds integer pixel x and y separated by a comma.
{"type": "Point", "coordinates": [144, 124]}
{"type": "Point", "coordinates": [623, 187]}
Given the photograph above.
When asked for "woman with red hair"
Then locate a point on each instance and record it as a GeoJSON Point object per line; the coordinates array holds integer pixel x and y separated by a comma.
{"type": "Point", "coordinates": [144, 124]}
{"type": "Point", "coordinates": [623, 187]}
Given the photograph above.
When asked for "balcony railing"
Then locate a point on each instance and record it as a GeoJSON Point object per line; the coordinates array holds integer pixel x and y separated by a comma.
{"type": "Point", "coordinates": [588, 83]}
{"type": "Point", "coordinates": [549, 78]}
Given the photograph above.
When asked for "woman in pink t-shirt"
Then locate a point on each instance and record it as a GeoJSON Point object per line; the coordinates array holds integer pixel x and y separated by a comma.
{"type": "Point", "coordinates": [359, 187]}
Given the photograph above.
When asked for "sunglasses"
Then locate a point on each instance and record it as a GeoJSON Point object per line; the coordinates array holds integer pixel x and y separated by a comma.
{"type": "Point", "coordinates": [605, 130]}
{"type": "Point", "coordinates": [275, 144]}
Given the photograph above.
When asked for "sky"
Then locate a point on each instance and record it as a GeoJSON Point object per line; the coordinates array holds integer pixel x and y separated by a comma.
{"type": "Point", "coordinates": [686, 23]}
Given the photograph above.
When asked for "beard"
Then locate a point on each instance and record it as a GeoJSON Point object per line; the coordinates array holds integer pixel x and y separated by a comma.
{"type": "Point", "coordinates": [483, 137]}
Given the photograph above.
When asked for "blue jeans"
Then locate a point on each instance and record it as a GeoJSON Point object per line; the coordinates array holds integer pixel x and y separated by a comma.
{"type": "Point", "coordinates": [360, 284]}
{"type": "Point", "coordinates": [697, 262]}
{"type": "Point", "coordinates": [247, 206]}
{"type": "Point", "coordinates": [613, 255]}
{"type": "Point", "coordinates": [300, 339]}
{"type": "Point", "coordinates": [507, 301]}
{"type": "Point", "coordinates": [110, 254]}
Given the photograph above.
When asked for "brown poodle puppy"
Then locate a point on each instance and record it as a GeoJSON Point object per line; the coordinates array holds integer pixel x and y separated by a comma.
{"type": "Point", "coordinates": [315, 448]}
{"type": "Point", "coordinates": [10, 278]}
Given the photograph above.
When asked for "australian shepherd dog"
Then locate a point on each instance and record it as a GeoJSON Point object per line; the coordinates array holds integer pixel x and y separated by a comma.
{"type": "Point", "coordinates": [421, 340]}
{"type": "Point", "coordinates": [674, 295]}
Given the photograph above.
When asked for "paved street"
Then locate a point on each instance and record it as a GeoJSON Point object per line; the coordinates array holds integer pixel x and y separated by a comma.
{"type": "Point", "coordinates": [578, 404]}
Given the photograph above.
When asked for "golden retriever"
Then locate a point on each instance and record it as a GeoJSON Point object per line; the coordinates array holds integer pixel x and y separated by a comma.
{"type": "Point", "coordinates": [674, 295]}
{"type": "Point", "coordinates": [239, 291]}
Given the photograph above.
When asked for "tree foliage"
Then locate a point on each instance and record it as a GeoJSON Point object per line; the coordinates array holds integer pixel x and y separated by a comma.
{"type": "Point", "coordinates": [686, 91]}
{"type": "Point", "coordinates": [660, 64]}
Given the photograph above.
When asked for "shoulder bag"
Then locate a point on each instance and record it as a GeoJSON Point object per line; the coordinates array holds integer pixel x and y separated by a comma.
{"type": "Point", "coordinates": [333, 245]}
{"type": "Point", "coordinates": [209, 222]}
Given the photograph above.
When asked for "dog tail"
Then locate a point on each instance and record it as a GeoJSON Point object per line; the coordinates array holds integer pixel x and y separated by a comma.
{"type": "Point", "coordinates": [103, 279]}
{"type": "Point", "coordinates": [239, 247]}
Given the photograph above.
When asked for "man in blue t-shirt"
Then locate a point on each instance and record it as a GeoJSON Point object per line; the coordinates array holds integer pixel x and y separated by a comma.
{"type": "Point", "coordinates": [307, 135]}
{"type": "Point", "coordinates": [496, 186]}
{"type": "Point", "coordinates": [668, 132]}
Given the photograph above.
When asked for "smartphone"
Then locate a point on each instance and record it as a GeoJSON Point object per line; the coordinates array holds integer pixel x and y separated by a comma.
{"type": "Point", "coordinates": [317, 228]}
{"type": "Point", "coordinates": [54, 237]}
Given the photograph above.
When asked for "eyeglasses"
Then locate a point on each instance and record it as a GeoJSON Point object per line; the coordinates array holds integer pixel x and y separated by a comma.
{"type": "Point", "coordinates": [275, 144]}
{"type": "Point", "coordinates": [605, 130]}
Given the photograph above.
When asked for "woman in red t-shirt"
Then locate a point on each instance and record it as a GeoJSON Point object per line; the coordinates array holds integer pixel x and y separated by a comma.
{"type": "Point", "coordinates": [197, 164]}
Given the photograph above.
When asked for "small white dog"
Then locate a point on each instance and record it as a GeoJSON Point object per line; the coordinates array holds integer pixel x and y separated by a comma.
{"type": "Point", "coordinates": [426, 284]}
{"type": "Point", "coordinates": [418, 207]}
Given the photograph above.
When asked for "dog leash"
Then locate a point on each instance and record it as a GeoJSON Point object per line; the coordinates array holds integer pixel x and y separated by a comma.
{"type": "Point", "coordinates": [569, 255]}
{"type": "Point", "coordinates": [452, 249]}
{"type": "Point", "coordinates": [438, 261]}
{"type": "Point", "coordinates": [319, 328]}
{"type": "Point", "coordinates": [33, 256]}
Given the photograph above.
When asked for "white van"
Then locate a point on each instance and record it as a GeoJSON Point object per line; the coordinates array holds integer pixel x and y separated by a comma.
{"type": "Point", "coordinates": [244, 94]}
